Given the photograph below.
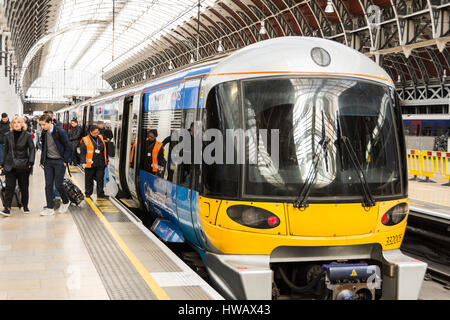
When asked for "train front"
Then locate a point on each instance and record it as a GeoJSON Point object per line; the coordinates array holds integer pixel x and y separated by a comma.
{"type": "Point", "coordinates": [318, 206]}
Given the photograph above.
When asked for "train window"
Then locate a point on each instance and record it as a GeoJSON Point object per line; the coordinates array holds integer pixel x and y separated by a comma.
{"type": "Point", "coordinates": [222, 113]}
{"type": "Point", "coordinates": [295, 120]}
{"type": "Point", "coordinates": [160, 125]}
{"type": "Point", "coordinates": [186, 170]}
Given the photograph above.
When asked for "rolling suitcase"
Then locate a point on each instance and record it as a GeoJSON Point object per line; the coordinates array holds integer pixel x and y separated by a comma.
{"type": "Point", "coordinates": [16, 202]}
{"type": "Point", "coordinates": [73, 192]}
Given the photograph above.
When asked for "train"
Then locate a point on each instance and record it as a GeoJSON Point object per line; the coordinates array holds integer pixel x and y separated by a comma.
{"type": "Point", "coordinates": [312, 202]}
{"type": "Point", "coordinates": [433, 125]}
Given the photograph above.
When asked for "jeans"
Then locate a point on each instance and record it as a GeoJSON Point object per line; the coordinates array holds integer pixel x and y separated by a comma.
{"type": "Point", "coordinates": [2, 148]}
{"type": "Point", "coordinates": [54, 171]}
{"type": "Point", "coordinates": [38, 141]}
{"type": "Point", "coordinates": [106, 176]}
{"type": "Point", "coordinates": [23, 178]}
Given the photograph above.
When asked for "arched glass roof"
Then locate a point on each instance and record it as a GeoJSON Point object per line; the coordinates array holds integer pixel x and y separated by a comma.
{"type": "Point", "coordinates": [113, 28]}
{"type": "Point", "coordinates": [124, 41]}
{"type": "Point", "coordinates": [87, 35]}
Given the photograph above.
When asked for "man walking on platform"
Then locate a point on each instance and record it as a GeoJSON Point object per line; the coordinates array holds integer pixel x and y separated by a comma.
{"type": "Point", "coordinates": [55, 157]}
{"type": "Point", "coordinates": [95, 160]}
{"type": "Point", "coordinates": [4, 129]}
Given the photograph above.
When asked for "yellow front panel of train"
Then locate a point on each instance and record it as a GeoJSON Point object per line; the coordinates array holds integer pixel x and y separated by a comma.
{"type": "Point", "coordinates": [332, 220]}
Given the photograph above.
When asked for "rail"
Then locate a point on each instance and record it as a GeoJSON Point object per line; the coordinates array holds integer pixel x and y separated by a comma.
{"type": "Point", "coordinates": [428, 164]}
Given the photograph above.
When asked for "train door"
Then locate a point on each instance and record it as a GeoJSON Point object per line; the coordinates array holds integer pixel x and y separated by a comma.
{"type": "Point", "coordinates": [131, 118]}
{"type": "Point", "coordinates": [187, 196]}
{"type": "Point", "coordinates": [120, 124]}
{"type": "Point", "coordinates": [66, 121]}
{"type": "Point", "coordinates": [416, 127]}
{"type": "Point", "coordinates": [84, 120]}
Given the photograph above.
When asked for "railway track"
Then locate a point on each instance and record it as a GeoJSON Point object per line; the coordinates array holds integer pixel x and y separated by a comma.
{"type": "Point", "coordinates": [427, 238]}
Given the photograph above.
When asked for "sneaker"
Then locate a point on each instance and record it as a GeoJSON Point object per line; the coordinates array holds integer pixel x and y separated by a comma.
{"type": "Point", "coordinates": [5, 213]}
{"type": "Point", "coordinates": [47, 212]}
{"type": "Point", "coordinates": [63, 208]}
{"type": "Point", "coordinates": [102, 196]}
{"type": "Point", "coordinates": [26, 210]}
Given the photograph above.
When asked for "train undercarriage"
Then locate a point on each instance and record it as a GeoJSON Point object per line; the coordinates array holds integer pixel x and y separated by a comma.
{"type": "Point", "coordinates": [362, 272]}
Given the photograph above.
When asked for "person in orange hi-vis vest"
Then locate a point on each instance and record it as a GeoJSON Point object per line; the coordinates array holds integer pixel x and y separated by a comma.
{"type": "Point", "coordinates": [154, 156]}
{"type": "Point", "coordinates": [94, 160]}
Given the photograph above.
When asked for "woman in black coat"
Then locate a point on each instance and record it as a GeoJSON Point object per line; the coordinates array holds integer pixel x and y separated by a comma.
{"type": "Point", "coordinates": [18, 145]}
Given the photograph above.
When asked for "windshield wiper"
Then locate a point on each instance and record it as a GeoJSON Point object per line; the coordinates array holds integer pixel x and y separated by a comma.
{"type": "Point", "coordinates": [368, 198]}
{"type": "Point", "coordinates": [301, 200]}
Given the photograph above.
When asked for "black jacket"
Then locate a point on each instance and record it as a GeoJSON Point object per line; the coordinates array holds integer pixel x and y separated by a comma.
{"type": "Point", "coordinates": [23, 149]}
{"type": "Point", "coordinates": [62, 143]}
{"type": "Point", "coordinates": [4, 129]}
{"type": "Point", "coordinates": [75, 135]}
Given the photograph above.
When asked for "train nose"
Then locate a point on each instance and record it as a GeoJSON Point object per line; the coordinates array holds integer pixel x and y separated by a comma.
{"type": "Point", "coordinates": [332, 220]}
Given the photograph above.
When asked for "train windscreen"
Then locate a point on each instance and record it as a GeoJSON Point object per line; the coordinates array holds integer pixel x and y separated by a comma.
{"type": "Point", "coordinates": [305, 122]}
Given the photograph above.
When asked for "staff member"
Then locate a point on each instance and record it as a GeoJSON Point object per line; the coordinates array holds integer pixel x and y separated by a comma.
{"type": "Point", "coordinates": [55, 157]}
{"type": "Point", "coordinates": [94, 160]}
{"type": "Point", "coordinates": [17, 162]}
{"type": "Point", "coordinates": [154, 159]}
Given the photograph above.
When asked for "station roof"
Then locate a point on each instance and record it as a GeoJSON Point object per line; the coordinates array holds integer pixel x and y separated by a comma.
{"type": "Point", "coordinates": [123, 41]}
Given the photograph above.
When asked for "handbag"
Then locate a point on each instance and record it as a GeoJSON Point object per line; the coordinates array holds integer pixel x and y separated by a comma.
{"type": "Point", "coordinates": [18, 164]}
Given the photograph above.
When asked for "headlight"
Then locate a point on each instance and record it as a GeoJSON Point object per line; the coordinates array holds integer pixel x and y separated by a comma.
{"type": "Point", "coordinates": [395, 215]}
{"type": "Point", "coordinates": [253, 217]}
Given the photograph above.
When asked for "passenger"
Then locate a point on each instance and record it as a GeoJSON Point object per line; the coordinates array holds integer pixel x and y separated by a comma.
{"type": "Point", "coordinates": [18, 163]}
{"type": "Point", "coordinates": [55, 157]}
{"type": "Point", "coordinates": [55, 121]}
{"type": "Point", "coordinates": [38, 135]}
{"type": "Point", "coordinates": [75, 135]}
{"type": "Point", "coordinates": [58, 124]}
{"type": "Point", "coordinates": [101, 128]}
{"type": "Point", "coordinates": [108, 136]}
{"type": "Point", "coordinates": [4, 129]}
{"type": "Point", "coordinates": [154, 159]}
{"type": "Point", "coordinates": [94, 160]}
{"type": "Point", "coordinates": [29, 124]}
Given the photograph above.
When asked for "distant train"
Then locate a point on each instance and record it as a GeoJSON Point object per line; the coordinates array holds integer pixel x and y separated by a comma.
{"type": "Point", "coordinates": [426, 125]}
{"type": "Point", "coordinates": [324, 222]}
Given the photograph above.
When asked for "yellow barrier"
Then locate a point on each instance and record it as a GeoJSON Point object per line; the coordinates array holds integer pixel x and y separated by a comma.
{"type": "Point", "coordinates": [429, 164]}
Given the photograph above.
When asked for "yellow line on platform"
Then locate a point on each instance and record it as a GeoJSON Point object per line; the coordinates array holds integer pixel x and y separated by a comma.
{"type": "Point", "coordinates": [151, 283]}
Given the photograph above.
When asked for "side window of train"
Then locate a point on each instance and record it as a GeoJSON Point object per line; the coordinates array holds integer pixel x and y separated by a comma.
{"type": "Point", "coordinates": [134, 132]}
{"type": "Point", "coordinates": [160, 125]}
{"type": "Point", "coordinates": [222, 112]}
{"type": "Point", "coordinates": [186, 170]}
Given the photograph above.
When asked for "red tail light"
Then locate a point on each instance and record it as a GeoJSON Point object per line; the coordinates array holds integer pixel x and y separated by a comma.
{"type": "Point", "coordinates": [273, 221]}
{"type": "Point", "coordinates": [253, 217]}
{"type": "Point", "coordinates": [395, 215]}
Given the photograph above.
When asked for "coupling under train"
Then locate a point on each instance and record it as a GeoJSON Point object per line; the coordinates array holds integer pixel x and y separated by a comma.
{"type": "Point", "coordinates": [324, 222]}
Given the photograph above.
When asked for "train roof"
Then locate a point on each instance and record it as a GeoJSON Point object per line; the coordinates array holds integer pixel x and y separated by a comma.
{"type": "Point", "coordinates": [294, 56]}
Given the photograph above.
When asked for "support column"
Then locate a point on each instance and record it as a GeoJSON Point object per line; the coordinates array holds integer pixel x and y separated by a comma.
{"type": "Point", "coordinates": [11, 101]}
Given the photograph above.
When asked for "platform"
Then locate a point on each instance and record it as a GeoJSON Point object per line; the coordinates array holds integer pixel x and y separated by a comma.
{"type": "Point", "coordinates": [96, 252]}
{"type": "Point", "coordinates": [431, 198]}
